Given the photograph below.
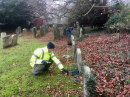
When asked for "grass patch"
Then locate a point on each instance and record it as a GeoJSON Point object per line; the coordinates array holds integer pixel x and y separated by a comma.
{"type": "Point", "coordinates": [15, 73]}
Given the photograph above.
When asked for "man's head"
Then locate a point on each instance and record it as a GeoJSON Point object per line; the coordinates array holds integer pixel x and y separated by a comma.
{"type": "Point", "coordinates": [50, 47]}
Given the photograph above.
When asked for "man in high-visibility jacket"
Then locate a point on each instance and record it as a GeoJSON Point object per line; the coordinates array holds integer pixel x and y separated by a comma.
{"type": "Point", "coordinates": [43, 58]}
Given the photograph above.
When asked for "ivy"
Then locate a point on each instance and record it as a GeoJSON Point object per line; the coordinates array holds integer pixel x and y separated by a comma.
{"type": "Point", "coordinates": [91, 85]}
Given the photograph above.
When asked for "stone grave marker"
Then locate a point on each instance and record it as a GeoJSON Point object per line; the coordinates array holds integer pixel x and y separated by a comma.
{"type": "Point", "coordinates": [72, 38]}
{"type": "Point", "coordinates": [24, 31]}
{"type": "Point", "coordinates": [56, 32]}
{"type": "Point", "coordinates": [14, 39]}
{"type": "Point", "coordinates": [117, 37]}
{"type": "Point", "coordinates": [86, 73]}
{"type": "Point", "coordinates": [42, 31]}
{"type": "Point", "coordinates": [3, 34]}
{"type": "Point", "coordinates": [34, 31]}
{"type": "Point", "coordinates": [18, 30]}
{"type": "Point", "coordinates": [80, 35]}
{"type": "Point", "coordinates": [6, 41]}
{"type": "Point", "coordinates": [74, 49]}
{"type": "Point", "coordinates": [78, 27]}
{"type": "Point", "coordinates": [79, 59]}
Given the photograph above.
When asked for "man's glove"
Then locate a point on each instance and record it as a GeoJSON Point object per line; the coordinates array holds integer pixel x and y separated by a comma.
{"type": "Point", "coordinates": [44, 62]}
{"type": "Point", "coordinates": [64, 70]}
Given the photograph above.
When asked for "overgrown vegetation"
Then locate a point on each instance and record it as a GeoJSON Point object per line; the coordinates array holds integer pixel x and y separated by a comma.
{"type": "Point", "coordinates": [119, 17]}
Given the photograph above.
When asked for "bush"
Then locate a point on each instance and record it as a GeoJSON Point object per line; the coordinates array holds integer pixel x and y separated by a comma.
{"type": "Point", "coordinates": [119, 18]}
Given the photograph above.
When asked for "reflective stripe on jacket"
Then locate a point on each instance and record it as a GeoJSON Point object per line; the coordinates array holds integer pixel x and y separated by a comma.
{"type": "Point", "coordinates": [41, 54]}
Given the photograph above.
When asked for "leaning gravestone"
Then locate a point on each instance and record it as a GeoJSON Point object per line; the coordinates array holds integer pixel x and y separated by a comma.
{"type": "Point", "coordinates": [6, 41]}
{"type": "Point", "coordinates": [34, 31]}
{"type": "Point", "coordinates": [79, 59]}
{"type": "Point", "coordinates": [14, 39]}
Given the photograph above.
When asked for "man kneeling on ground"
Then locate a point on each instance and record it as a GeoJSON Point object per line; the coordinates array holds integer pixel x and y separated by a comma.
{"type": "Point", "coordinates": [43, 58]}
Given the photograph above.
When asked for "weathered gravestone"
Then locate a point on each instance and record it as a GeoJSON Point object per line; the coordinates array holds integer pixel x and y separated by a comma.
{"type": "Point", "coordinates": [78, 28]}
{"type": "Point", "coordinates": [3, 34]}
{"type": "Point", "coordinates": [18, 30]}
{"type": "Point", "coordinates": [14, 39]}
{"type": "Point", "coordinates": [86, 76]}
{"type": "Point", "coordinates": [24, 31]}
{"type": "Point", "coordinates": [64, 29]}
{"type": "Point", "coordinates": [56, 32]}
{"type": "Point", "coordinates": [117, 37]}
{"type": "Point", "coordinates": [46, 28]}
{"type": "Point", "coordinates": [74, 49]}
{"type": "Point", "coordinates": [80, 35]}
{"type": "Point", "coordinates": [6, 41]}
{"type": "Point", "coordinates": [34, 31]}
{"type": "Point", "coordinates": [42, 31]}
{"type": "Point", "coordinates": [79, 60]}
{"type": "Point", "coordinates": [72, 38]}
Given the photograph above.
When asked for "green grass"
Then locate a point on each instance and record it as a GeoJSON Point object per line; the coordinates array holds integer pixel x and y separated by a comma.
{"type": "Point", "coordinates": [15, 73]}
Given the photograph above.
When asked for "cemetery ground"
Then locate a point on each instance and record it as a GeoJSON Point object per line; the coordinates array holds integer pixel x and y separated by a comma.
{"type": "Point", "coordinates": [109, 59]}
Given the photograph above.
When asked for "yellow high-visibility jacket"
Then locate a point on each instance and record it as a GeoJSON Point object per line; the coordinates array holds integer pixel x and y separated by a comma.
{"type": "Point", "coordinates": [41, 54]}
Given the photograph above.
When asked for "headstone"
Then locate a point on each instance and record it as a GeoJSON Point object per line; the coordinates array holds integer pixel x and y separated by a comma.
{"type": "Point", "coordinates": [72, 38]}
{"type": "Point", "coordinates": [14, 39]}
{"type": "Point", "coordinates": [6, 41]}
{"type": "Point", "coordinates": [42, 31]}
{"type": "Point", "coordinates": [34, 31]}
{"type": "Point", "coordinates": [56, 32]}
{"type": "Point", "coordinates": [80, 35]}
{"type": "Point", "coordinates": [78, 27]}
{"type": "Point", "coordinates": [3, 34]}
{"type": "Point", "coordinates": [18, 30]}
{"type": "Point", "coordinates": [37, 35]}
{"type": "Point", "coordinates": [117, 37]}
{"type": "Point", "coordinates": [74, 49]}
{"type": "Point", "coordinates": [64, 29]}
{"type": "Point", "coordinates": [79, 59]}
{"type": "Point", "coordinates": [24, 31]}
{"type": "Point", "coordinates": [86, 73]}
